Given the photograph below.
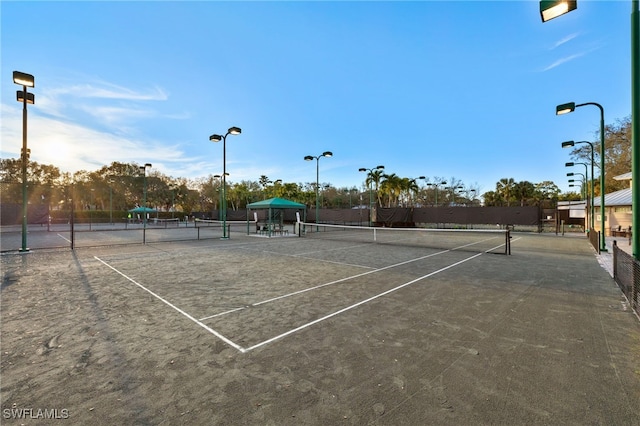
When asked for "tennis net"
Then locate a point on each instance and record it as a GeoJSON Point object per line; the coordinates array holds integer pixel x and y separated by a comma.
{"type": "Point", "coordinates": [232, 225]}
{"type": "Point", "coordinates": [476, 240]}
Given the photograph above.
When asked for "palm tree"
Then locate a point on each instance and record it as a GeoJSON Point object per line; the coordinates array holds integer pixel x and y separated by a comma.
{"type": "Point", "coordinates": [392, 187]}
{"type": "Point", "coordinates": [373, 178]}
{"type": "Point", "coordinates": [505, 189]}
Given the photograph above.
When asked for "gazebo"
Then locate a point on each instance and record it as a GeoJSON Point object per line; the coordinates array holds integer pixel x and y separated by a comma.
{"type": "Point", "coordinates": [273, 205]}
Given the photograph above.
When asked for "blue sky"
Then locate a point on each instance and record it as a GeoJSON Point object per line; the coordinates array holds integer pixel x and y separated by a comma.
{"type": "Point", "coordinates": [463, 90]}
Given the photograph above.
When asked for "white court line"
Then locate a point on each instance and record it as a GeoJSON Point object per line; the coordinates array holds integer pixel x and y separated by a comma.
{"type": "Point", "coordinates": [320, 286]}
{"type": "Point", "coordinates": [209, 329]}
{"type": "Point", "coordinates": [347, 278]}
{"type": "Point", "coordinates": [362, 302]}
{"type": "Point", "coordinates": [67, 240]}
{"type": "Point", "coordinates": [302, 327]}
{"type": "Point", "coordinates": [339, 281]}
{"type": "Point", "coordinates": [223, 313]}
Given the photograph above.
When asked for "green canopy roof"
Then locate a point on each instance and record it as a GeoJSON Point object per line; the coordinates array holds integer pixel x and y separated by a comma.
{"type": "Point", "coordinates": [275, 203]}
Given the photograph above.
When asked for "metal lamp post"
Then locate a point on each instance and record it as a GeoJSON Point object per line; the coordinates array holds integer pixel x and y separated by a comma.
{"type": "Point", "coordinates": [25, 80]}
{"type": "Point", "coordinates": [363, 169]}
{"type": "Point", "coordinates": [570, 107]}
{"type": "Point", "coordinates": [586, 179]}
{"type": "Point", "coordinates": [453, 191]}
{"type": "Point", "coordinates": [550, 9]}
{"type": "Point", "coordinates": [582, 181]}
{"type": "Point", "coordinates": [568, 144]}
{"type": "Point", "coordinates": [143, 169]}
{"type": "Point", "coordinates": [413, 180]}
{"type": "Point", "coordinates": [218, 138]}
{"type": "Point", "coordinates": [317, 158]}
{"type": "Point", "coordinates": [91, 191]}
{"type": "Point", "coordinates": [111, 201]}
{"type": "Point", "coordinates": [173, 200]}
{"type": "Point", "coordinates": [436, 189]}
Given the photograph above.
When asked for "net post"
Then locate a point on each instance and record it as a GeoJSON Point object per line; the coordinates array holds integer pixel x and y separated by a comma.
{"type": "Point", "coordinates": [507, 246]}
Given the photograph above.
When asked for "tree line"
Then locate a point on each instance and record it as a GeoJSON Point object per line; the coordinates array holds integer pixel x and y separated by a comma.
{"type": "Point", "coordinates": [119, 186]}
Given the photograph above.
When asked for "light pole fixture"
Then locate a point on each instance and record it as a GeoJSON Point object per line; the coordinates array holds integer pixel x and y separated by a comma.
{"type": "Point", "coordinates": [550, 9]}
{"type": "Point", "coordinates": [143, 169]}
{"type": "Point", "coordinates": [219, 177]}
{"type": "Point", "coordinates": [570, 107]}
{"type": "Point", "coordinates": [370, 174]}
{"type": "Point", "coordinates": [173, 189]}
{"type": "Point", "coordinates": [586, 179]}
{"type": "Point", "coordinates": [436, 185]}
{"type": "Point", "coordinates": [553, 9]}
{"type": "Point", "coordinates": [317, 158]}
{"type": "Point", "coordinates": [110, 182]}
{"type": "Point", "coordinates": [218, 138]}
{"type": "Point", "coordinates": [413, 180]}
{"type": "Point", "coordinates": [24, 80]}
{"type": "Point", "coordinates": [568, 144]}
{"type": "Point", "coordinates": [453, 191]}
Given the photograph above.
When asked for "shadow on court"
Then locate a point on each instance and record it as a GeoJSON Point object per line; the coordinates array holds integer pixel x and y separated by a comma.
{"type": "Point", "coordinates": [296, 331]}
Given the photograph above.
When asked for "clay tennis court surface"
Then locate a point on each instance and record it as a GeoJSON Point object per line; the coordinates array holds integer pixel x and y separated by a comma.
{"type": "Point", "coordinates": [297, 331]}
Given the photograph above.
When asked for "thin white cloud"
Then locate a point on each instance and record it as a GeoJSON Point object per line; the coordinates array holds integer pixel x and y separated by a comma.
{"type": "Point", "coordinates": [563, 60]}
{"type": "Point", "coordinates": [564, 40]}
{"type": "Point", "coordinates": [117, 114]}
{"type": "Point", "coordinates": [72, 147]}
{"type": "Point", "coordinates": [106, 90]}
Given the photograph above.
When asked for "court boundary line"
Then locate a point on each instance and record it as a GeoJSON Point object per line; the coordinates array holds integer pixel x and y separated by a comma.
{"type": "Point", "coordinates": [355, 305]}
{"type": "Point", "coordinates": [311, 323]}
{"type": "Point", "coordinates": [273, 299]}
{"type": "Point", "coordinates": [206, 327]}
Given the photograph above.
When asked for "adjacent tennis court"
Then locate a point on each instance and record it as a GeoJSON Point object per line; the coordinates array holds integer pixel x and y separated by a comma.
{"type": "Point", "coordinates": [320, 329]}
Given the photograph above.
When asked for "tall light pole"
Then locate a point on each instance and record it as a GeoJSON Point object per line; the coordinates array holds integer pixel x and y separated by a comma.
{"type": "Point", "coordinates": [550, 9]}
{"type": "Point", "coordinates": [453, 191]}
{"type": "Point", "coordinates": [218, 138]}
{"type": "Point", "coordinates": [25, 80]}
{"type": "Point", "coordinates": [413, 180]}
{"type": "Point", "coordinates": [370, 178]}
{"type": "Point", "coordinates": [173, 200]}
{"type": "Point", "coordinates": [317, 158]}
{"type": "Point", "coordinates": [436, 189]}
{"type": "Point", "coordinates": [586, 179]}
{"type": "Point", "coordinates": [568, 144]}
{"type": "Point", "coordinates": [91, 191]}
{"type": "Point", "coordinates": [570, 107]}
{"type": "Point", "coordinates": [110, 181]}
{"type": "Point", "coordinates": [143, 169]}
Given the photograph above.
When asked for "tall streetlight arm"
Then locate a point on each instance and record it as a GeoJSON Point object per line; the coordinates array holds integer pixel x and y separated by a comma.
{"type": "Point", "coordinates": [570, 107]}
{"type": "Point", "coordinates": [569, 144]}
{"type": "Point", "coordinates": [370, 175]}
{"type": "Point", "coordinates": [317, 158]}
{"type": "Point", "coordinates": [217, 138]}
{"type": "Point", "coordinates": [25, 80]}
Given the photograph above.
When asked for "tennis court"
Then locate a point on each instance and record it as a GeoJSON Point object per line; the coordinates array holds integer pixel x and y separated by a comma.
{"type": "Point", "coordinates": [320, 331]}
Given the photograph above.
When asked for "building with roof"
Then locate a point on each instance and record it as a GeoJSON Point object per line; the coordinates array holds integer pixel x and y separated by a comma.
{"type": "Point", "coordinates": [617, 208]}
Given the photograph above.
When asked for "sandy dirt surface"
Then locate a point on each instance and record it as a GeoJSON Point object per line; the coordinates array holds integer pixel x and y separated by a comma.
{"type": "Point", "coordinates": [286, 332]}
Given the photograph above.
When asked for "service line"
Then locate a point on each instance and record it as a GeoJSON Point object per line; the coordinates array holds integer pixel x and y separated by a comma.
{"type": "Point", "coordinates": [362, 302]}
{"type": "Point", "coordinates": [209, 329]}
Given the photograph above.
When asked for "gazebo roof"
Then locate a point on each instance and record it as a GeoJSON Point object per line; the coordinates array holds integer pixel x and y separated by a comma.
{"type": "Point", "coordinates": [275, 203]}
